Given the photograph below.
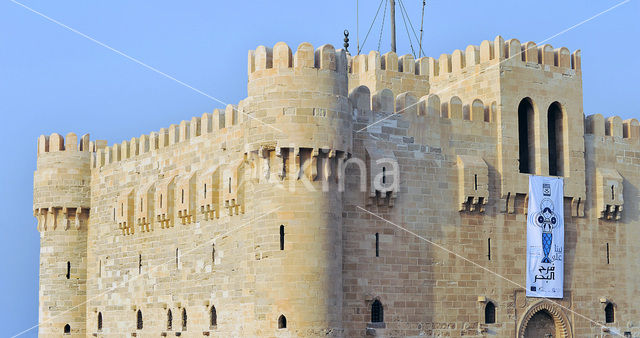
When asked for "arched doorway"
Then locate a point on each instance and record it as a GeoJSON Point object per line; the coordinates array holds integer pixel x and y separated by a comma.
{"type": "Point", "coordinates": [541, 325]}
{"type": "Point", "coordinates": [544, 320]}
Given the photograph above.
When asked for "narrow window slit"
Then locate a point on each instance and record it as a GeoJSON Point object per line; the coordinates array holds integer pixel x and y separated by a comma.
{"type": "Point", "coordinates": [281, 237]}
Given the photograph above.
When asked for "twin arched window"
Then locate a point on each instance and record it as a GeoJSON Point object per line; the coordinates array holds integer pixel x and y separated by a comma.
{"type": "Point", "coordinates": [526, 137]}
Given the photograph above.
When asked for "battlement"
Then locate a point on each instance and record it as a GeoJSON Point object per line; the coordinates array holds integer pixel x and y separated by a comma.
{"type": "Point", "coordinates": [176, 134]}
{"type": "Point", "coordinates": [61, 183]}
{"type": "Point", "coordinates": [325, 57]}
{"type": "Point", "coordinates": [55, 142]}
{"type": "Point", "coordinates": [498, 50]}
{"type": "Point", "coordinates": [613, 126]}
{"type": "Point", "coordinates": [389, 61]}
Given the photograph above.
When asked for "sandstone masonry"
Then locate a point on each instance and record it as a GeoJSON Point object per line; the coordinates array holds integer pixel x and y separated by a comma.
{"type": "Point", "coordinates": [268, 218]}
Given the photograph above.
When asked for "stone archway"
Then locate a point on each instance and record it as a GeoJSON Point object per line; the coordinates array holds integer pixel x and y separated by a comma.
{"type": "Point", "coordinates": [544, 318]}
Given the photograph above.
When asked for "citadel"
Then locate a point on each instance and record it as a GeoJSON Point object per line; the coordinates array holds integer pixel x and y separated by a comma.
{"type": "Point", "coordinates": [346, 196]}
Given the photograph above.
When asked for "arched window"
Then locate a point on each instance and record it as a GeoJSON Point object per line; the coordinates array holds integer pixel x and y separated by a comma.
{"type": "Point", "coordinates": [489, 313]}
{"type": "Point", "coordinates": [68, 275]}
{"type": "Point", "coordinates": [281, 237]}
{"type": "Point", "coordinates": [377, 312]}
{"type": "Point", "coordinates": [526, 136]}
{"type": "Point", "coordinates": [213, 317]}
{"type": "Point", "coordinates": [99, 321]}
{"type": "Point", "coordinates": [282, 322]}
{"type": "Point", "coordinates": [554, 134]}
{"type": "Point", "coordinates": [139, 323]}
{"type": "Point", "coordinates": [169, 320]}
{"type": "Point", "coordinates": [184, 319]}
{"type": "Point", "coordinates": [67, 329]}
{"type": "Point", "coordinates": [609, 315]}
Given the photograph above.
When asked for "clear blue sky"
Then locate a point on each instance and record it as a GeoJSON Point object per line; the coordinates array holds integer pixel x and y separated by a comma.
{"type": "Point", "coordinates": [52, 80]}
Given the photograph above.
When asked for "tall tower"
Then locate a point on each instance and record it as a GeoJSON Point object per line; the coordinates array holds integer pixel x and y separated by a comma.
{"type": "Point", "coordinates": [61, 203]}
{"type": "Point", "coordinates": [300, 131]}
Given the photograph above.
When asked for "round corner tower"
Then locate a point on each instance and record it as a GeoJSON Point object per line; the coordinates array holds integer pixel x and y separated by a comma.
{"type": "Point", "coordinates": [300, 129]}
{"type": "Point", "coordinates": [61, 204]}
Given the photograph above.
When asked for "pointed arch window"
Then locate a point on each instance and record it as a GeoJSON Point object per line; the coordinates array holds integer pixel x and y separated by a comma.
{"type": "Point", "coordinates": [67, 329]}
{"type": "Point", "coordinates": [489, 313]}
{"type": "Point", "coordinates": [99, 321]}
{"type": "Point", "coordinates": [169, 320]}
{"type": "Point", "coordinates": [139, 323]}
{"type": "Point", "coordinates": [282, 322]}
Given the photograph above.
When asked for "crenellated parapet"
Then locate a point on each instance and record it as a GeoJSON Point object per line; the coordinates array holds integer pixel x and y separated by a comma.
{"type": "Point", "coordinates": [613, 127]}
{"type": "Point", "coordinates": [62, 182]}
{"type": "Point", "coordinates": [267, 64]}
{"type": "Point", "coordinates": [298, 100]}
{"type": "Point", "coordinates": [510, 52]}
{"type": "Point", "coordinates": [390, 71]}
{"type": "Point", "coordinates": [221, 121]}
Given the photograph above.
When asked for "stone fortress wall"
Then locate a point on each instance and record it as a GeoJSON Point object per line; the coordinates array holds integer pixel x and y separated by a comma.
{"type": "Point", "coordinates": [240, 218]}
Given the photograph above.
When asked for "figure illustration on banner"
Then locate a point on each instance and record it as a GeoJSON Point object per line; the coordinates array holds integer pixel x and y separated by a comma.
{"type": "Point", "coordinates": [545, 237]}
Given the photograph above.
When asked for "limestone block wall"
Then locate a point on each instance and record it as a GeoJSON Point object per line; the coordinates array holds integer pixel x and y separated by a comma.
{"type": "Point", "coordinates": [223, 224]}
{"type": "Point", "coordinates": [611, 157]}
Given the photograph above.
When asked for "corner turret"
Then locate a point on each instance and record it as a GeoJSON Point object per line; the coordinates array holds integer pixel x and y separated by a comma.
{"type": "Point", "coordinates": [61, 203]}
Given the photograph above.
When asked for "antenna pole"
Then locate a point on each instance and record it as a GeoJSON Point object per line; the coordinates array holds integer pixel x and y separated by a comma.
{"type": "Point", "coordinates": [358, 25]}
{"type": "Point", "coordinates": [393, 25]}
{"type": "Point", "coordinates": [421, 27]}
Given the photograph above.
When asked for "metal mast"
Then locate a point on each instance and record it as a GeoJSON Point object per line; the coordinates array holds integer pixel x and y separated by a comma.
{"type": "Point", "coordinates": [393, 25]}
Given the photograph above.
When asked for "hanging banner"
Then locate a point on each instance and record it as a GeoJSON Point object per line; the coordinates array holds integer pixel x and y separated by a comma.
{"type": "Point", "coordinates": [545, 237]}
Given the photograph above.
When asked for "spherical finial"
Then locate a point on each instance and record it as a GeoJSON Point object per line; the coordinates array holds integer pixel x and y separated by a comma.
{"type": "Point", "coordinates": [346, 40]}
